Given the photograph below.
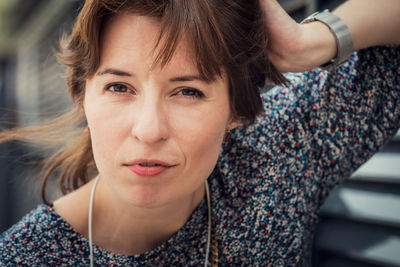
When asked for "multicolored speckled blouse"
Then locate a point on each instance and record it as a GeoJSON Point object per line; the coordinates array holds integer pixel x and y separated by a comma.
{"type": "Point", "coordinates": [269, 182]}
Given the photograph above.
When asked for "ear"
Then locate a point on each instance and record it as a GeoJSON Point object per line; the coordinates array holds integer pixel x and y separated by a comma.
{"type": "Point", "coordinates": [233, 123]}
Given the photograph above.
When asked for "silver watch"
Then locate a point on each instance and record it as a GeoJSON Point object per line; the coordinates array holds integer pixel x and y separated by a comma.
{"type": "Point", "coordinates": [344, 40]}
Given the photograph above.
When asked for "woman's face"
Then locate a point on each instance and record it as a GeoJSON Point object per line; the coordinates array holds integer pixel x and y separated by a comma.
{"type": "Point", "coordinates": [156, 132]}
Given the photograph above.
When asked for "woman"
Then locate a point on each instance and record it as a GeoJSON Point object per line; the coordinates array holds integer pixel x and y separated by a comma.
{"type": "Point", "coordinates": [193, 166]}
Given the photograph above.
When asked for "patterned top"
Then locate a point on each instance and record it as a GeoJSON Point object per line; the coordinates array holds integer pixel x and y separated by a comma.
{"type": "Point", "coordinates": [269, 182]}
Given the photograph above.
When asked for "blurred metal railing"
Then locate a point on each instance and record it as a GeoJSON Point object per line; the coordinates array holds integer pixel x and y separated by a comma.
{"type": "Point", "coordinates": [360, 221]}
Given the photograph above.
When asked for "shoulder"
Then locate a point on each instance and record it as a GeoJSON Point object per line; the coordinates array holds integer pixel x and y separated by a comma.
{"type": "Point", "coordinates": [36, 239]}
{"type": "Point", "coordinates": [23, 238]}
{"type": "Point", "coordinates": [69, 207]}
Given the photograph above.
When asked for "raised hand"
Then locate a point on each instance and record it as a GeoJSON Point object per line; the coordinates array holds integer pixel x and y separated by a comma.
{"type": "Point", "coordinates": [295, 47]}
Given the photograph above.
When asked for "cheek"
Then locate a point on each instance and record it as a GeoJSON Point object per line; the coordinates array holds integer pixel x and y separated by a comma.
{"type": "Point", "coordinates": [203, 153]}
{"type": "Point", "coordinates": [105, 139]}
{"type": "Point", "coordinates": [107, 131]}
{"type": "Point", "coordinates": [200, 139]}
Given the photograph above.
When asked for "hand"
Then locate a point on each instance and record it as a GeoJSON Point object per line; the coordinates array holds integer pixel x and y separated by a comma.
{"type": "Point", "coordinates": [294, 47]}
{"type": "Point", "coordinates": [284, 35]}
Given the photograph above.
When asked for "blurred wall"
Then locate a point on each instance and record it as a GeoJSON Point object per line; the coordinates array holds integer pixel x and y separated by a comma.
{"type": "Point", "coordinates": [32, 88]}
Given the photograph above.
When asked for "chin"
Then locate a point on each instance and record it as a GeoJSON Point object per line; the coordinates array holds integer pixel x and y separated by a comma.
{"type": "Point", "coordinates": [148, 197]}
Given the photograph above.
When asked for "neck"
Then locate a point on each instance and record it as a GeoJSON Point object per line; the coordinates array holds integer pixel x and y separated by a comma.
{"type": "Point", "coordinates": [122, 228]}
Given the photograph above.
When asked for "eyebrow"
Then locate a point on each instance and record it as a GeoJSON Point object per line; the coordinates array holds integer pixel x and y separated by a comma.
{"type": "Point", "coordinates": [114, 72]}
{"type": "Point", "coordinates": [186, 78]}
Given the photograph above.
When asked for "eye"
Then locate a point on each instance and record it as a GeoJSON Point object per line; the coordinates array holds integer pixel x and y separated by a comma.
{"type": "Point", "coordinates": [191, 92]}
{"type": "Point", "coordinates": [118, 88]}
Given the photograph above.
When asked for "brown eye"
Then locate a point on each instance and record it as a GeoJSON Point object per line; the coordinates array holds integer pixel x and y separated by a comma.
{"type": "Point", "coordinates": [117, 88]}
{"type": "Point", "coordinates": [191, 92]}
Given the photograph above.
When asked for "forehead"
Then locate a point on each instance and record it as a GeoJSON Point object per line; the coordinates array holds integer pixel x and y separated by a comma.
{"type": "Point", "coordinates": [129, 39]}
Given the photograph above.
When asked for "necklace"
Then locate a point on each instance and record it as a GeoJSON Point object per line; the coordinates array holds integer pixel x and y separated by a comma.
{"type": "Point", "coordinates": [215, 244]}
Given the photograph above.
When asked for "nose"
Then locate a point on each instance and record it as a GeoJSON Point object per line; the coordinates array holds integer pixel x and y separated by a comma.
{"type": "Point", "coordinates": [150, 125]}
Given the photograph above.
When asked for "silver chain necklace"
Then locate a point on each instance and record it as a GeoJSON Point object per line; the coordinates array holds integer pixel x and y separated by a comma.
{"type": "Point", "coordinates": [91, 212]}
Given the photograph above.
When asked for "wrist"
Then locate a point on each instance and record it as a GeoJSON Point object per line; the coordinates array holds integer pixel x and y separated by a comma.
{"type": "Point", "coordinates": [318, 45]}
{"type": "Point", "coordinates": [315, 46]}
{"type": "Point", "coordinates": [340, 32]}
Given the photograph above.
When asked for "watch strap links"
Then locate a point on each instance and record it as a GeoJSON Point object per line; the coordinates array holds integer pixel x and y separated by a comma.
{"type": "Point", "coordinates": [342, 34]}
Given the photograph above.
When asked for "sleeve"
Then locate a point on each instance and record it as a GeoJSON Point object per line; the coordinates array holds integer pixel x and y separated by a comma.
{"type": "Point", "coordinates": [350, 112]}
{"type": "Point", "coordinates": [316, 131]}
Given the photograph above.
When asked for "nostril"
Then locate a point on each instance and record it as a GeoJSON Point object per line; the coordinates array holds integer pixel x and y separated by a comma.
{"type": "Point", "coordinates": [149, 130]}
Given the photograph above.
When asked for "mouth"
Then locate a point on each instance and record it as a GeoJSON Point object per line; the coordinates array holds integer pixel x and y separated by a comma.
{"type": "Point", "coordinates": [148, 168]}
{"type": "Point", "coordinates": [149, 164]}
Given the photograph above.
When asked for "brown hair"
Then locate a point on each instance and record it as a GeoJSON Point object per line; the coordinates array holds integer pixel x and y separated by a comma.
{"type": "Point", "coordinates": [226, 35]}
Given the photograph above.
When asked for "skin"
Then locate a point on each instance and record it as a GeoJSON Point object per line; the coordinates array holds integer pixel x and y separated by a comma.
{"type": "Point", "coordinates": [139, 111]}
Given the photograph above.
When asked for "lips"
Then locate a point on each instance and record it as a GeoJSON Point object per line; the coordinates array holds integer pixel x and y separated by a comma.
{"type": "Point", "coordinates": [148, 168]}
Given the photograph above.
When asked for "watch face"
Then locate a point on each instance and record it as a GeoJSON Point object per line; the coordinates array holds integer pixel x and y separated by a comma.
{"type": "Point", "coordinates": [314, 16]}
{"type": "Point", "coordinates": [310, 18]}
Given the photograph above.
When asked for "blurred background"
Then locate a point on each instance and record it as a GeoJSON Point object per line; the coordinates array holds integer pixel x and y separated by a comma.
{"type": "Point", "coordinates": [359, 224]}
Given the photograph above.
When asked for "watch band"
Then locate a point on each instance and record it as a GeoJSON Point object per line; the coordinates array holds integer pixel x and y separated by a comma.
{"type": "Point", "coordinates": [344, 40]}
